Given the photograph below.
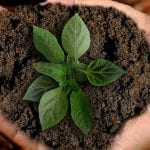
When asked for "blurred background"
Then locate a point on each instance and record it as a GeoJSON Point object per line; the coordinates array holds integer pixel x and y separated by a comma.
{"type": "Point", "coordinates": [142, 5]}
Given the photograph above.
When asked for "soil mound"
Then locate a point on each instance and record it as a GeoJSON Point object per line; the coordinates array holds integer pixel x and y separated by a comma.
{"type": "Point", "coordinates": [113, 36]}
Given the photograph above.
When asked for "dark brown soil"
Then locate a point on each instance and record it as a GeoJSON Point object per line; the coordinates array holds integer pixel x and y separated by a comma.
{"type": "Point", "coordinates": [113, 36]}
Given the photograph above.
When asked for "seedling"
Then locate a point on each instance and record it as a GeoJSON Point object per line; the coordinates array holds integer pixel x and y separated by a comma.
{"type": "Point", "coordinates": [58, 83]}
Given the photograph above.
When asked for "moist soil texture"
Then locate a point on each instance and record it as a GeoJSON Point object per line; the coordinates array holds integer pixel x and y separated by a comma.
{"type": "Point", "coordinates": [113, 36]}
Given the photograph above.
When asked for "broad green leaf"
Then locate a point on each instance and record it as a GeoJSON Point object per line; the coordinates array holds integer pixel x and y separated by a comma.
{"type": "Point", "coordinates": [101, 72]}
{"type": "Point", "coordinates": [55, 71]}
{"type": "Point", "coordinates": [47, 44]}
{"type": "Point", "coordinates": [38, 88]}
{"type": "Point", "coordinates": [52, 108]}
{"type": "Point", "coordinates": [75, 37]}
{"type": "Point", "coordinates": [81, 111]}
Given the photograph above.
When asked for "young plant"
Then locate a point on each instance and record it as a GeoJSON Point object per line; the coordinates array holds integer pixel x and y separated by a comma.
{"type": "Point", "coordinates": [58, 83]}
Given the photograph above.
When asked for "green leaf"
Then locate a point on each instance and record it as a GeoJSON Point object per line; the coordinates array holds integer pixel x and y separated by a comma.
{"type": "Point", "coordinates": [47, 44]}
{"type": "Point", "coordinates": [38, 88]}
{"type": "Point", "coordinates": [75, 37]}
{"type": "Point", "coordinates": [73, 85]}
{"type": "Point", "coordinates": [52, 108]}
{"type": "Point", "coordinates": [70, 60]}
{"type": "Point", "coordinates": [80, 77]}
{"type": "Point", "coordinates": [67, 88]}
{"type": "Point", "coordinates": [55, 71]}
{"type": "Point", "coordinates": [101, 72]}
{"type": "Point", "coordinates": [70, 85]}
{"type": "Point", "coordinates": [80, 68]}
{"type": "Point", "coordinates": [81, 111]}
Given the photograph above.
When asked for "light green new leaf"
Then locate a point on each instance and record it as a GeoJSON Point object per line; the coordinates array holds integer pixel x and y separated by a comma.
{"type": "Point", "coordinates": [75, 37]}
{"type": "Point", "coordinates": [101, 72]}
{"type": "Point", "coordinates": [55, 71]}
{"type": "Point", "coordinates": [38, 88]}
{"type": "Point", "coordinates": [81, 111]}
{"type": "Point", "coordinates": [47, 44]}
{"type": "Point", "coordinates": [52, 108]}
